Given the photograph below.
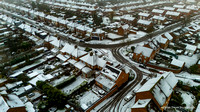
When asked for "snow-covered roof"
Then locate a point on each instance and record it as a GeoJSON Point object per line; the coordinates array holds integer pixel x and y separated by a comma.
{"type": "Point", "coordinates": [28, 87]}
{"type": "Point", "coordinates": [78, 53]}
{"type": "Point", "coordinates": [125, 27]}
{"type": "Point", "coordinates": [177, 63]}
{"type": "Point", "coordinates": [191, 47]}
{"type": "Point", "coordinates": [38, 78]}
{"type": "Point", "coordinates": [144, 14]}
{"type": "Point", "coordinates": [183, 10]}
{"type": "Point", "coordinates": [141, 103]}
{"type": "Point", "coordinates": [158, 18]}
{"type": "Point", "coordinates": [172, 13]}
{"type": "Point", "coordinates": [179, 6]}
{"type": "Point", "coordinates": [144, 50]}
{"type": "Point", "coordinates": [63, 57]}
{"type": "Point", "coordinates": [72, 61]}
{"type": "Point", "coordinates": [158, 11]}
{"type": "Point", "coordinates": [192, 7]}
{"type": "Point", "coordinates": [111, 72]}
{"type": "Point", "coordinates": [92, 59]}
{"type": "Point", "coordinates": [144, 22]}
{"type": "Point", "coordinates": [108, 10]}
{"type": "Point", "coordinates": [149, 84]}
{"type": "Point", "coordinates": [160, 39]}
{"type": "Point", "coordinates": [105, 81]}
{"type": "Point", "coordinates": [86, 70]}
{"type": "Point", "coordinates": [68, 48]}
{"type": "Point", "coordinates": [56, 42]}
{"type": "Point", "coordinates": [33, 74]}
{"type": "Point", "coordinates": [10, 101]}
{"type": "Point", "coordinates": [169, 8]}
{"type": "Point", "coordinates": [168, 35]}
{"type": "Point", "coordinates": [159, 95]}
{"type": "Point", "coordinates": [114, 36]}
{"type": "Point", "coordinates": [170, 78]}
{"type": "Point", "coordinates": [79, 65]}
{"type": "Point", "coordinates": [128, 17]}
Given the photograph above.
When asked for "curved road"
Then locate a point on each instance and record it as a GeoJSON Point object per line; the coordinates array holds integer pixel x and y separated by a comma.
{"type": "Point", "coordinates": [114, 105]}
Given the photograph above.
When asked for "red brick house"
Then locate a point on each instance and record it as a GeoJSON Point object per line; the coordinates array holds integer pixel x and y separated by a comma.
{"type": "Point", "coordinates": [158, 89]}
{"type": "Point", "coordinates": [144, 16]}
{"type": "Point", "coordinates": [159, 20]}
{"type": "Point", "coordinates": [184, 12]}
{"type": "Point", "coordinates": [143, 54]}
{"type": "Point", "coordinates": [158, 12]}
{"type": "Point", "coordinates": [162, 41]}
{"type": "Point", "coordinates": [168, 36]}
{"type": "Point", "coordinates": [146, 25]}
{"type": "Point", "coordinates": [128, 19]}
{"type": "Point", "coordinates": [173, 15]}
{"type": "Point", "coordinates": [97, 34]}
{"type": "Point", "coordinates": [144, 105]}
{"type": "Point", "coordinates": [93, 61]}
{"type": "Point", "coordinates": [123, 30]}
{"type": "Point", "coordinates": [111, 77]}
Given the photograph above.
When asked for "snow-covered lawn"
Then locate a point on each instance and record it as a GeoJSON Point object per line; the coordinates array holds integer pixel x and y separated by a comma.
{"type": "Point", "coordinates": [188, 99]}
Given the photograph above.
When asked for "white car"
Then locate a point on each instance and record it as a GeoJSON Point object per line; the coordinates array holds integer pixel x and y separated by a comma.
{"type": "Point", "coordinates": [128, 97]}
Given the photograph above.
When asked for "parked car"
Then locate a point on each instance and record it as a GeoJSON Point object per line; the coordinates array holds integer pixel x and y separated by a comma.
{"type": "Point", "coordinates": [128, 97]}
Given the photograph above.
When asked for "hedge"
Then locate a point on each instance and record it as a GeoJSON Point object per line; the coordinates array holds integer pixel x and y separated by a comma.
{"type": "Point", "coordinates": [66, 82]}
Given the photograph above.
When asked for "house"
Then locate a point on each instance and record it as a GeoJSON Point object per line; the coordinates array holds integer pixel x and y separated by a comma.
{"type": "Point", "coordinates": [144, 16]}
{"type": "Point", "coordinates": [168, 36]}
{"type": "Point", "coordinates": [159, 20]}
{"type": "Point", "coordinates": [193, 8]}
{"type": "Point", "coordinates": [111, 77]}
{"type": "Point", "coordinates": [173, 15]}
{"type": "Point", "coordinates": [145, 24]}
{"type": "Point", "coordinates": [11, 103]}
{"type": "Point", "coordinates": [77, 53]}
{"type": "Point", "coordinates": [97, 34]}
{"type": "Point", "coordinates": [169, 9]}
{"type": "Point", "coordinates": [93, 61]}
{"type": "Point", "coordinates": [123, 30]}
{"type": "Point", "coordinates": [184, 12]}
{"type": "Point", "coordinates": [144, 105]}
{"type": "Point", "coordinates": [191, 49]}
{"type": "Point", "coordinates": [128, 19]}
{"type": "Point", "coordinates": [158, 12]}
{"type": "Point", "coordinates": [67, 49]}
{"type": "Point", "coordinates": [163, 42]}
{"type": "Point", "coordinates": [153, 44]}
{"type": "Point", "coordinates": [177, 64]}
{"type": "Point", "coordinates": [143, 54]}
{"type": "Point", "coordinates": [81, 30]}
{"type": "Point", "coordinates": [158, 89]}
{"type": "Point", "coordinates": [179, 6]}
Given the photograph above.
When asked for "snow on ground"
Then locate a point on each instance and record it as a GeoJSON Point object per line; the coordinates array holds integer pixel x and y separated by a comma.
{"type": "Point", "coordinates": [74, 84]}
{"type": "Point", "coordinates": [188, 82]}
{"type": "Point", "coordinates": [29, 107]}
{"type": "Point", "coordinates": [188, 75]}
{"type": "Point", "coordinates": [88, 99]}
{"type": "Point", "coordinates": [188, 99]}
{"type": "Point", "coordinates": [189, 60]}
